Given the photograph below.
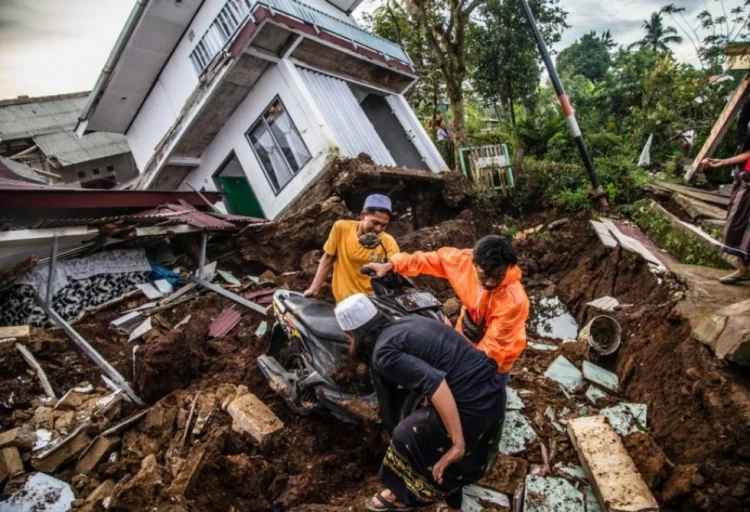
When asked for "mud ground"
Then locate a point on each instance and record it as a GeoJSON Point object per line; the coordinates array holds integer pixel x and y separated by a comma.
{"type": "Point", "coordinates": [319, 463]}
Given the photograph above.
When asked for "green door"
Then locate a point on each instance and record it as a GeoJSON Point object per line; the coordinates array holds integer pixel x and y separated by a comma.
{"type": "Point", "coordinates": [240, 196]}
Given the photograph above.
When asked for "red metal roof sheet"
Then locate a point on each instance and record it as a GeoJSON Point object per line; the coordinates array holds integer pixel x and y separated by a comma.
{"type": "Point", "coordinates": [224, 323]}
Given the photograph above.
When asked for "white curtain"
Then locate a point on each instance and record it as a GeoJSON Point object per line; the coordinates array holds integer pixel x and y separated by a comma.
{"type": "Point", "coordinates": [280, 169]}
{"type": "Point", "coordinates": [284, 124]}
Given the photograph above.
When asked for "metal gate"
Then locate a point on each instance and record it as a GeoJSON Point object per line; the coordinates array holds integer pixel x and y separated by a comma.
{"type": "Point", "coordinates": [489, 167]}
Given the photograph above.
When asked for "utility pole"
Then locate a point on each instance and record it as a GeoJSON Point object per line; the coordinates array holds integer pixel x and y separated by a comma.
{"type": "Point", "coordinates": [567, 109]}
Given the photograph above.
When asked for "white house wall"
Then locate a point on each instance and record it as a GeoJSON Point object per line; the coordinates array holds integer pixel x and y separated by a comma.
{"type": "Point", "coordinates": [178, 80]}
{"type": "Point", "coordinates": [278, 80]}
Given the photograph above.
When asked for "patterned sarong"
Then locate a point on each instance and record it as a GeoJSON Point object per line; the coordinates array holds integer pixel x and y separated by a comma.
{"type": "Point", "coordinates": [737, 229]}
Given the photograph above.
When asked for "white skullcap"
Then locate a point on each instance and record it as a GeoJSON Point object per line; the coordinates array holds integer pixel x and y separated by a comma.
{"type": "Point", "coordinates": [355, 311]}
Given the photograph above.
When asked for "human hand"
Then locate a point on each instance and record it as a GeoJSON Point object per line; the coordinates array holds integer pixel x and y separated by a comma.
{"type": "Point", "coordinates": [380, 269]}
{"type": "Point", "coordinates": [455, 454]}
{"type": "Point", "coordinates": [311, 292]}
{"type": "Point", "coordinates": [713, 163]}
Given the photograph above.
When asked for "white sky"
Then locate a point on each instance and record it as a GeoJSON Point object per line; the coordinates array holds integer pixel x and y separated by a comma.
{"type": "Point", "coordinates": [60, 46]}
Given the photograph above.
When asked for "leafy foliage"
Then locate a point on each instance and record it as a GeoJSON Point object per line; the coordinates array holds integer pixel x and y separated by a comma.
{"type": "Point", "coordinates": [588, 57]}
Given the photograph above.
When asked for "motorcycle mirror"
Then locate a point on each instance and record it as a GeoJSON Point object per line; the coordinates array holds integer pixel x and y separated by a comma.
{"type": "Point", "coordinates": [369, 241]}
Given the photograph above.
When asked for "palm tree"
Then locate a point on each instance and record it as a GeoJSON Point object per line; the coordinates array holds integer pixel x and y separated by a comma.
{"type": "Point", "coordinates": [607, 40]}
{"type": "Point", "coordinates": [658, 36]}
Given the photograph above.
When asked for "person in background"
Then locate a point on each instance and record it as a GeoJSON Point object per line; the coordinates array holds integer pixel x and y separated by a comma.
{"type": "Point", "coordinates": [487, 281]}
{"type": "Point", "coordinates": [440, 448]}
{"type": "Point", "coordinates": [737, 229]}
{"type": "Point", "coordinates": [346, 255]}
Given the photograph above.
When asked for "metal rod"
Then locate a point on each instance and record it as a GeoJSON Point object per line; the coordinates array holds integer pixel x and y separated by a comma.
{"type": "Point", "coordinates": [565, 104]}
{"type": "Point", "coordinates": [202, 261]}
{"type": "Point", "coordinates": [232, 296]}
{"type": "Point", "coordinates": [90, 351]}
{"type": "Point", "coordinates": [52, 264]}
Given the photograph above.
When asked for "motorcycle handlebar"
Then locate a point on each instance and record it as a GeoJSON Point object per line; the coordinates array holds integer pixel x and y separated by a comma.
{"type": "Point", "coordinates": [367, 271]}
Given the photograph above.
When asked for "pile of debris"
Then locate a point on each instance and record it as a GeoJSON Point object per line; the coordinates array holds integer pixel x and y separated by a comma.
{"type": "Point", "coordinates": [210, 430]}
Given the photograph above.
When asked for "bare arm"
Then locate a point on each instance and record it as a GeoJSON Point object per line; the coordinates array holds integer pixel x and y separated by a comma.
{"type": "Point", "coordinates": [445, 405]}
{"type": "Point", "coordinates": [324, 268]}
{"type": "Point", "coordinates": [727, 162]}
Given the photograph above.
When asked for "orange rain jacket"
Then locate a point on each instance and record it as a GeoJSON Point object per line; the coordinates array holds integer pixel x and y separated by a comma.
{"type": "Point", "coordinates": [504, 309]}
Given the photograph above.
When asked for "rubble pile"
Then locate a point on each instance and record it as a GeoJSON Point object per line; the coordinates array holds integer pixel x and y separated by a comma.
{"type": "Point", "coordinates": [214, 436]}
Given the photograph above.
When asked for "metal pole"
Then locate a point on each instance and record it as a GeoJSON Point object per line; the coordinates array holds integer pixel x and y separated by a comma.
{"type": "Point", "coordinates": [232, 296]}
{"type": "Point", "coordinates": [90, 351]}
{"type": "Point", "coordinates": [52, 263]}
{"type": "Point", "coordinates": [202, 260]}
{"type": "Point", "coordinates": [566, 107]}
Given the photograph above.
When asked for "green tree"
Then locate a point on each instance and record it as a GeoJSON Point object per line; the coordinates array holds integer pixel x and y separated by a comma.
{"type": "Point", "coordinates": [588, 57]}
{"type": "Point", "coordinates": [505, 56]}
{"type": "Point", "coordinates": [658, 36]}
{"type": "Point", "coordinates": [391, 21]}
{"type": "Point", "coordinates": [445, 25]}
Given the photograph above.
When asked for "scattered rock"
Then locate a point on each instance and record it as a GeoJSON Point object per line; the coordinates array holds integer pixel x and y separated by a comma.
{"type": "Point", "coordinates": [183, 483]}
{"type": "Point", "coordinates": [140, 492]}
{"type": "Point", "coordinates": [101, 448]}
{"type": "Point", "coordinates": [72, 400]}
{"type": "Point", "coordinates": [79, 481]}
{"type": "Point", "coordinates": [98, 495]}
{"type": "Point", "coordinates": [70, 448]}
{"type": "Point", "coordinates": [679, 483]}
{"type": "Point", "coordinates": [43, 418]}
{"type": "Point", "coordinates": [22, 438]}
{"type": "Point", "coordinates": [65, 420]}
{"type": "Point", "coordinates": [452, 308]}
{"type": "Point", "coordinates": [251, 416]}
{"type": "Point", "coordinates": [10, 463]}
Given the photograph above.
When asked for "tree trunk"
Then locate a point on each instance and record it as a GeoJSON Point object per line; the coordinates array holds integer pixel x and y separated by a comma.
{"type": "Point", "coordinates": [519, 148]}
{"type": "Point", "coordinates": [457, 108]}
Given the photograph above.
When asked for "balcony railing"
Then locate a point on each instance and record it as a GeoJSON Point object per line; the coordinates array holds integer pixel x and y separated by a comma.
{"type": "Point", "coordinates": [235, 13]}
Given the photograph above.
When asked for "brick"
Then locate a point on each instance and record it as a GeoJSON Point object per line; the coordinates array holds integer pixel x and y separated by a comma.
{"type": "Point", "coordinates": [11, 459]}
{"type": "Point", "coordinates": [22, 438]}
{"type": "Point", "coordinates": [101, 448]}
{"type": "Point", "coordinates": [610, 470]}
{"type": "Point", "coordinates": [19, 332]}
{"type": "Point", "coordinates": [183, 484]}
{"type": "Point", "coordinates": [68, 449]}
{"type": "Point", "coordinates": [98, 495]}
{"type": "Point", "coordinates": [251, 416]}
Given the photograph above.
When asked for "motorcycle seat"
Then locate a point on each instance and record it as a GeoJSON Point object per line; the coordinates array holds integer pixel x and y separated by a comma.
{"type": "Point", "coordinates": [317, 316]}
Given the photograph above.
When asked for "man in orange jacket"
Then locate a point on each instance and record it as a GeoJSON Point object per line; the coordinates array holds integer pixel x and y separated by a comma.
{"type": "Point", "coordinates": [487, 280]}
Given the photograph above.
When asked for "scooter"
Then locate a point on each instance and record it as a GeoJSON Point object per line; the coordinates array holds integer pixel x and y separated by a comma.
{"type": "Point", "coordinates": [307, 349]}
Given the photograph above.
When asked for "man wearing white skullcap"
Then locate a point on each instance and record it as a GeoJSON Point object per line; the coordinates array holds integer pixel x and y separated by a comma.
{"type": "Point", "coordinates": [440, 448]}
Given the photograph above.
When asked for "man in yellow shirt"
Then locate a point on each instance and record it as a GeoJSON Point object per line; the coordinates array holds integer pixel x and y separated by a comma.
{"type": "Point", "coordinates": [346, 255]}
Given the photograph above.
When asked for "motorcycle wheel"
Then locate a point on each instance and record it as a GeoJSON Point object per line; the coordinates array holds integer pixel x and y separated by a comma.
{"type": "Point", "coordinates": [292, 360]}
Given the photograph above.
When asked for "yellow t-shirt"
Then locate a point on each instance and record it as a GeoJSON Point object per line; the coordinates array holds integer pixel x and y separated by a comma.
{"type": "Point", "coordinates": [343, 243]}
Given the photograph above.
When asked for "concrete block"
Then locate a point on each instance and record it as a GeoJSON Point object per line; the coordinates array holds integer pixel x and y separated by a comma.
{"type": "Point", "coordinates": [251, 416]}
{"type": "Point", "coordinates": [183, 484]}
{"type": "Point", "coordinates": [71, 447]}
{"type": "Point", "coordinates": [21, 333]}
{"type": "Point", "coordinates": [99, 449]}
{"type": "Point", "coordinates": [610, 470]}
{"type": "Point", "coordinates": [98, 495]}
{"type": "Point", "coordinates": [11, 460]}
{"type": "Point", "coordinates": [734, 342]}
{"type": "Point", "coordinates": [22, 438]}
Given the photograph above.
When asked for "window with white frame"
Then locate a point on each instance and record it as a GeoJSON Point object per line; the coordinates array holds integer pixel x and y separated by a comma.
{"type": "Point", "coordinates": [278, 145]}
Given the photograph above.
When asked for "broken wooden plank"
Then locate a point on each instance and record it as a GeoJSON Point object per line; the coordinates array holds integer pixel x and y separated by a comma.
{"type": "Point", "coordinates": [604, 235]}
{"type": "Point", "coordinates": [701, 195]}
{"type": "Point", "coordinates": [610, 470]}
{"type": "Point", "coordinates": [721, 126]}
{"type": "Point", "coordinates": [31, 361]}
{"type": "Point", "coordinates": [698, 209]}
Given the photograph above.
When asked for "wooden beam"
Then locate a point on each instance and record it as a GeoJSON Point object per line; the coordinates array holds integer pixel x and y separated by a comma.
{"type": "Point", "coordinates": [695, 193]}
{"type": "Point", "coordinates": [722, 125]}
{"type": "Point", "coordinates": [697, 209]}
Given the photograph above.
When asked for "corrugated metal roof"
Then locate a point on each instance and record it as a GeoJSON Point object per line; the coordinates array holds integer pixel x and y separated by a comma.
{"type": "Point", "coordinates": [19, 170]}
{"type": "Point", "coordinates": [70, 149]}
{"type": "Point", "coordinates": [338, 26]}
{"type": "Point", "coordinates": [39, 116]}
{"type": "Point", "coordinates": [341, 110]}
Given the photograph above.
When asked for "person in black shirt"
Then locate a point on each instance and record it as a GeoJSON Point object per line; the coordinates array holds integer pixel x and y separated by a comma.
{"type": "Point", "coordinates": [441, 448]}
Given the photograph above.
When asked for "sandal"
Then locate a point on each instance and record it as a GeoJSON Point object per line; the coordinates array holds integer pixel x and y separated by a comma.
{"type": "Point", "coordinates": [734, 279]}
{"type": "Point", "coordinates": [387, 505]}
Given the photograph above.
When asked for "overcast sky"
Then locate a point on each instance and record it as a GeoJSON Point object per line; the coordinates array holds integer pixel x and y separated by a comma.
{"type": "Point", "coordinates": [59, 46]}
